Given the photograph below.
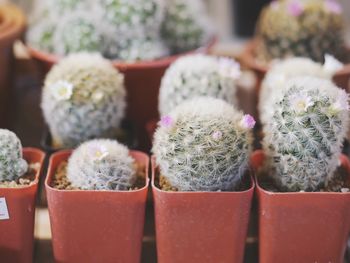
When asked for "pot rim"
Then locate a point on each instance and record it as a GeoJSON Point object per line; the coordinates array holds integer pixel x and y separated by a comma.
{"type": "Point", "coordinates": [155, 188]}
{"type": "Point", "coordinates": [123, 66]}
{"type": "Point", "coordinates": [259, 189]}
{"type": "Point", "coordinates": [15, 20]}
{"type": "Point", "coordinates": [27, 150]}
{"type": "Point", "coordinates": [247, 57]}
{"type": "Point", "coordinates": [67, 153]}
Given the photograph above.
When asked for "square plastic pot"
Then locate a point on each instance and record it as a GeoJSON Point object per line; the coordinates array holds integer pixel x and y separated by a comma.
{"type": "Point", "coordinates": [17, 232]}
{"type": "Point", "coordinates": [96, 226]}
{"type": "Point", "coordinates": [302, 227]}
{"type": "Point", "coordinates": [201, 227]}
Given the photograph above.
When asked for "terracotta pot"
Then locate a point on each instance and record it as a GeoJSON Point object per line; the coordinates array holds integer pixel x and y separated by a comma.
{"type": "Point", "coordinates": [200, 227]}
{"type": "Point", "coordinates": [142, 80]}
{"type": "Point", "coordinates": [17, 232]}
{"type": "Point", "coordinates": [12, 24]}
{"type": "Point", "coordinates": [341, 78]}
{"type": "Point", "coordinates": [302, 227]}
{"type": "Point", "coordinates": [96, 226]}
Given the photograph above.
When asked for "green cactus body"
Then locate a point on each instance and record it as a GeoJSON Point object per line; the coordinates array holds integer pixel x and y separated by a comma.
{"type": "Point", "coordinates": [198, 75]}
{"type": "Point", "coordinates": [282, 71]}
{"type": "Point", "coordinates": [77, 32]}
{"type": "Point", "coordinates": [303, 139]}
{"type": "Point", "coordinates": [305, 28]}
{"type": "Point", "coordinates": [185, 26]}
{"type": "Point", "coordinates": [101, 164]}
{"type": "Point", "coordinates": [203, 145]}
{"type": "Point", "coordinates": [12, 164]}
{"type": "Point", "coordinates": [83, 98]}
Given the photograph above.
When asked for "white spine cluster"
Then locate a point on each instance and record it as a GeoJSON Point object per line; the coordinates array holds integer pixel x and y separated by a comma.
{"type": "Point", "coordinates": [303, 138]}
{"type": "Point", "coordinates": [101, 165]}
{"type": "Point", "coordinates": [282, 71]}
{"type": "Point", "coordinates": [203, 145]}
{"type": "Point", "coordinates": [12, 164]}
{"type": "Point", "coordinates": [83, 98]}
{"type": "Point", "coordinates": [198, 75]}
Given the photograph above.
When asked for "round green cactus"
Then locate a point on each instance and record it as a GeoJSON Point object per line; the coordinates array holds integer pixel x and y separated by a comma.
{"type": "Point", "coordinates": [77, 32]}
{"type": "Point", "coordinates": [203, 145]}
{"type": "Point", "coordinates": [198, 75]}
{"type": "Point", "coordinates": [185, 26]}
{"type": "Point", "coordinates": [101, 164]}
{"type": "Point", "coordinates": [304, 136]}
{"type": "Point", "coordinates": [306, 28]}
{"type": "Point", "coordinates": [12, 164]}
{"type": "Point", "coordinates": [83, 98]}
{"type": "Point", "coordinates": [282, 71]}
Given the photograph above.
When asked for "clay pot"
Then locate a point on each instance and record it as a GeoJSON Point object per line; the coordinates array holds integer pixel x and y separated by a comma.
{"type": "Point", "coordinates": [17, 232]}
{"type": "Point", "coordinates": [142, 80]}
{"type": "Point", "coordinates": [201, 227]}
{"type": "Point", "coordinates": [302, 227]}
{"type": "Point", "coordinates": [96, 226]}
{"type": "Point", "coordinates": [341, 78]}
{"type": "Point", "coordinates": [12, 24]}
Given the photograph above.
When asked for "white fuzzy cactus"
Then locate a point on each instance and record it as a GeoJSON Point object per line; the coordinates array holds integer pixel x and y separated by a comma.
{"type": "Point", "coordinates": [12, 164]}
{"type": "Point", "coordinates": [198, 75]}
{"type": "Point", "coordinates": [283, 70]}
{"type": "Point", "coordinates": [186, 25]}
{"type": "Point", "coordinates": [304, 136]}
{"type": "Point", "coordinates": [77, 32]}
{"type": "Point", "coordinates": [83, 98]}
{"type": "Point", "coordinates": [203, 145]}
{"type": "Point", "coordinates": [101, 164]}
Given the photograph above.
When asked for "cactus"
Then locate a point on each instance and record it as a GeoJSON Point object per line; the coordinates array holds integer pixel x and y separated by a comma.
{"type": "Point", "coordinates": [12, 164]}
{"type": "Point", "coordinates": [83, 98]}
{"type": "Point", "coordinates": [306, 28]}
{"type": "Point", "coordinates": [203, 145]}
{"type": "Point", "coordinates": [101, 164]}
{"type": "Point", "coordinates": [77, 32]}
{"type": "Point", "coordinates": [186, 25]}
{"type": "Point", "coordinates": [198, 75]}
{"type": "Point", "coordinates": [304, 136]}
{"type": "Point", "coordinates": [281, 71]}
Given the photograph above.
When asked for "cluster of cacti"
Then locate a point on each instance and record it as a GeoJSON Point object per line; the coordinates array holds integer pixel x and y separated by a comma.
{"type": "Point", "coordinates": [306, 28]}
{"type": "Point", "coordinates": [203, 145]}
{"type": "Point", "coordinates": [282, 71]}
{"type": "Point", "coordinates": [198, 75]}
{"type": "Point", "coordinates": [304, 136]}
{"type": "Point", "coordinates": [126, 30]}
{"type": "Point", "coordinates": [12, 164]}
{"type": "Point", "coordinates": [101, 164]}
{"type": "Point", "coordinates": [83, 98]}
{"type": "Point", "coordinates": [185, 27]}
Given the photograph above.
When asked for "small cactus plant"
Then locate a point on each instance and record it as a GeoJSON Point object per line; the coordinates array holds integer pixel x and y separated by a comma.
{"type": "Point", "coordinates": [186, 26]}
{"type": "Point", "coordinates": [198, 75]}
{"type": "Point", "coordinates": [305, 28]}
{"type": "Point", "coordinates": [101, 164]}
{"type": "Point", "coordinates": [77, 32]}
{"type": "Point", "coordinates": [126, 30]}
{"type": "Point", "coordinates": [203, 145]}
{"type": "Point", "coordinates": [304, 136]}
{"type": "Point", "coordinates": [12, 164]}
{"type": "Point", "coordinates": [283, 70]}
{"type": "Point", "coordinates": [83, 98]}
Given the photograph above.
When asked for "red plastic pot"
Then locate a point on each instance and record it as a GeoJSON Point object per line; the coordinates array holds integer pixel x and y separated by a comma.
{"type": "Point", "coordinates": [142, 80]}
{"type": "Point", "coordinates": [302, 227]}
{"type": "Point", "coordinates": [12, 24]}
{"type": "Point", "coordinates": [201, 227]}
{"type": "Point", "coordinates": [248, 58]}
{"type": "Point", "coordinates": [17, 232]}
{"type": "Point", "coordinates": [96, 226]}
